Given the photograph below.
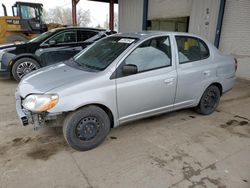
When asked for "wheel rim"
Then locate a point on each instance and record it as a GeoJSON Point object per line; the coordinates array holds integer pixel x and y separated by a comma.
{"type": "Point", "coordinates": [87, 128]}
{"type": "Point", "coordinates": [25, 68]}
{"type": "Point", "coordinates": [211, 99]}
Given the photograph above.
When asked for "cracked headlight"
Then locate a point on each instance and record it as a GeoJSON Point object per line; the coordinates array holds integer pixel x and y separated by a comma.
{"type": "Point", "coordinates": [40, 103]}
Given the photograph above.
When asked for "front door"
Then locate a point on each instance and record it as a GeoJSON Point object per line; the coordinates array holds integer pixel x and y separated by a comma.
{"type": "Point", "coordinates": [152, 89]}
{"type": "Point", "coordinates": [60, 48]}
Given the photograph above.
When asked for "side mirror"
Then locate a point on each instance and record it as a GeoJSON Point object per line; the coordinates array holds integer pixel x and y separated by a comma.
{"type": "Point", "coordinates": [129, 69]}
{"type": "Point", "coordinates": [52, 42]}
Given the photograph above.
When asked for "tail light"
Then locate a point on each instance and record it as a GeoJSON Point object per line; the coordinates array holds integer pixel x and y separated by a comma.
{"type": "Point", "coordinates": [236, 63]}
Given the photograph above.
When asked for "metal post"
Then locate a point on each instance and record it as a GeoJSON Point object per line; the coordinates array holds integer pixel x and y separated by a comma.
{"type": "Point", "coordinates": [5, 10]}
{"type": "Point", "coordinates": [219, 23]}
{"type": "Point", "coordinates": [111, 15]}
{"type": "Point", "coordinates": [145, 15]}
{"type": "Point", "coordinates": [74, 17]}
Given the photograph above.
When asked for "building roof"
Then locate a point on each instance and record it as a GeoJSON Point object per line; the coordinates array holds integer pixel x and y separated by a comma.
{"type": "Point", "coordinates": [105, 1]}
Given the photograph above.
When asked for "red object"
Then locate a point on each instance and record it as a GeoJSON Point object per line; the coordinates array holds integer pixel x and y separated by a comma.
{"type": "Point", "coordinates": [74, 19]}
{"type": "Point", "coordinates": [111, 15]}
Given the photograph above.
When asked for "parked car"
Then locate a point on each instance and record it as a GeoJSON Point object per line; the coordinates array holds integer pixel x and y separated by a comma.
{"type": "Point", "coordinates": [123, 78]}
{"type": "Point", "coordinates": [48, 48]}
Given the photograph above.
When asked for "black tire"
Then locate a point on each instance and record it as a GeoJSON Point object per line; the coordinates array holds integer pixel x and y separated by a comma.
{"type": "Point", "coordinates": [16, 38]}
{"type": "Point", "coordinates": [86, 128]}
{"type": "Point", "coordinates": [209, 100]}
{"type": "Point", "coordinates": [24, 66]}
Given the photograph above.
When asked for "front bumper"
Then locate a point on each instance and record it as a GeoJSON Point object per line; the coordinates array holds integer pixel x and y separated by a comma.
{"type": "Point", "coordinates": [23, 117]}
{"type": "Point", "coordinates": [5, 74]}
{"type": "Point", "coordinates": [4, 66]}
{"type": "Point", "coordinates": [37, 119]}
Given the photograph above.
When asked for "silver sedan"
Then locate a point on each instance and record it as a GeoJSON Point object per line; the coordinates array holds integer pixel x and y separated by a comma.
{"type": "Point", "coordinates": [123, 78]}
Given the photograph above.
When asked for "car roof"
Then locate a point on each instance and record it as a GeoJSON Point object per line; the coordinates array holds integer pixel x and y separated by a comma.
{"type": "Point", "coordinates": [81, 28]}
{"type": "Point", "coordinates": [147, 34]}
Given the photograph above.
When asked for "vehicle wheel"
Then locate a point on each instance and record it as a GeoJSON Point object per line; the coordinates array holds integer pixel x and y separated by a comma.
{"type": "Point", "coordinates": [86, 128]}
{"type": "Point", "coordinates": [24, 66]}
{"type": "Point", "coordinates": [209, 100]}
{"type": "Point", "coordinates": [16, 38]}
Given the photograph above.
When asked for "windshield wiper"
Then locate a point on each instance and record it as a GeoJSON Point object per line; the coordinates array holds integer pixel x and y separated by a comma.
{"type": "Point", "coordinates": [85, 66]}
{"type": "Point", "coordinates": [92, 67]}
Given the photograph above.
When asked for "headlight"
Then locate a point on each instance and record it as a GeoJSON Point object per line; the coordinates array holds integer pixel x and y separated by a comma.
{"type": "Point", "coordinates": [40, 103]}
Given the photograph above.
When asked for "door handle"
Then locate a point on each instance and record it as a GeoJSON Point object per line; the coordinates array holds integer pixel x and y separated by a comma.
{"type": "Point", "coordinates": [169, 81]}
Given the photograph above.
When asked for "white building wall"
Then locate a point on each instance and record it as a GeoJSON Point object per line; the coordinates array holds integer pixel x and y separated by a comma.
{"type": "Point", "coordinates": [235, 35]}
{"type": "Point", "coordinates": [130, 15]}
{"type": "Point", "coordinates": [168, 8]}
{"type": "Point", "coordinates": [203, 14]}
{"type": "Point", "coordinates": [203, 18]}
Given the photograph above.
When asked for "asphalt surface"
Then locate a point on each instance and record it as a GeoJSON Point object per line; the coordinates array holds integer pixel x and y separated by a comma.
{"type": "Point", "coordinates": [179, 149]}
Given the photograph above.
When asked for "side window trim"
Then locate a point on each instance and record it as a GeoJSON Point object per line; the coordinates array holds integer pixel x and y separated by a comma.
{"type": "Point", "coordinates": [199, 40]}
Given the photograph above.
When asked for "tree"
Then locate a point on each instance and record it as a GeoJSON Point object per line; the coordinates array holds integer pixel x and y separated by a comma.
{"type": "Point", "coordinates": [83, 17]}
{"type": "Point", "coordinates": [98, 26]}
{"type": "Point", "coordinates": [106, 23]}
{"type": "Point", "coordinates": [64, 16]}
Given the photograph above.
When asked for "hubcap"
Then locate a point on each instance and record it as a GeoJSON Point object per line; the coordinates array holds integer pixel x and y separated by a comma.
{"type": "Point", "coordinates": [211, 99]}
{"type": "Point", "coordinates": [87, 128]}
{"type": "Point", "coordinates": [25, 68]}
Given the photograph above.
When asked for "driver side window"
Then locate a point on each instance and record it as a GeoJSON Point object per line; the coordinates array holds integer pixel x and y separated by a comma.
{"type": "Point", "coordinates": [152, 54]}
{"type": "Point", "coordinates": [65, 37]}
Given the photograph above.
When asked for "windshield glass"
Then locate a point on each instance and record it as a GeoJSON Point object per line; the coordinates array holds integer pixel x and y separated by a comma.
{"type": "Point", "coordinates": [104, 52]}
{"type": "Point", "coordinates": [43, 36]}
{"type": "Point", "coordinates": [30, 12]}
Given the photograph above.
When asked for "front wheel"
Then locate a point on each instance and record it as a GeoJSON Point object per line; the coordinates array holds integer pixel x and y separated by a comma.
{"type": "Point", "coordinates": [209, 100]}
{"type": "Point", "coordinates": [86, 128]}
{"type": "Point", "coordinates": [24, 66]}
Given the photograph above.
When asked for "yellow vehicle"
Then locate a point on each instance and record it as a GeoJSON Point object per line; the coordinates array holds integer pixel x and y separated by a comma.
{"type": "Point", "coordinates": [25, 23]}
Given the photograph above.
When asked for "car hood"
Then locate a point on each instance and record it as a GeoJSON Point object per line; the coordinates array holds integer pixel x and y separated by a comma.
{"type": "Point", "coordinates": [49, 78]}
{"type": "Point", "coordinates": [11, 45]}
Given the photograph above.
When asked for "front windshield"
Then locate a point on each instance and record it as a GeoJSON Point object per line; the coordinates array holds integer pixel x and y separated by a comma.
{"type": "Point", "coordinates": [43, 36]}
{"type": "Point", "coordinates": [104, 52]}
{"type": "Point", "coordinates": [30, 12]}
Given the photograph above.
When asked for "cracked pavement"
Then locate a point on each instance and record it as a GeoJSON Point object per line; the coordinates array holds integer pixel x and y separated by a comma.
{"type": "Point", "coordinates": [179, 149]}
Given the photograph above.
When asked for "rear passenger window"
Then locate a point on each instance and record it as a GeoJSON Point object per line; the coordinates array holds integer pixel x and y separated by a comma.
{"type": "Point", "coordinates": [84, 35]}
{"type": "Point", "coordinates": [191, 49]}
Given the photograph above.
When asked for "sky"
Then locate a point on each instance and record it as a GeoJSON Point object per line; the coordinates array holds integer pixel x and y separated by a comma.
{"type": "Point", "coordinates": [98, 10]}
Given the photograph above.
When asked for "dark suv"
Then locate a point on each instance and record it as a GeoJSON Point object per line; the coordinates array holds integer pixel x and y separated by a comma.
{"type": "Point", "coordinates": [48, 48]}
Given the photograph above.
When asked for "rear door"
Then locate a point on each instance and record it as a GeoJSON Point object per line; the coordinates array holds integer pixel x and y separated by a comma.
{"type": "Point", "coordinates": [152, 89]}
{"type": "Point", "coordinates": [195, 70]}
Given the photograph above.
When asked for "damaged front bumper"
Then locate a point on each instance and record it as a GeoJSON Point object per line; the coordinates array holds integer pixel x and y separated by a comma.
{"type": "Point", "coordinates": [37, 119]}
{"type": "Point", "coordinates": [22, 115]}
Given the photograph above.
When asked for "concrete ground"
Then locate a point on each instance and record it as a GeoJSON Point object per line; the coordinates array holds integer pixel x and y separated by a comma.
{"type": "Point", "coordinates": [179, 149]}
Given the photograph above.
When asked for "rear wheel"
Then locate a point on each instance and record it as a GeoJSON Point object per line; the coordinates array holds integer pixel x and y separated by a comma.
{"type": "Point", "coordinates": [24, 66]}
{"type": "Point", "coordinates": [209, 100]}
{"type": "Point", "coordinates": [86, 128]}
